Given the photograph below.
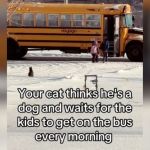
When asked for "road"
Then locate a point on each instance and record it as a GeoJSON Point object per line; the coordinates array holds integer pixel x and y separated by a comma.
{"type": "Point", "coordinates": [57, 70]}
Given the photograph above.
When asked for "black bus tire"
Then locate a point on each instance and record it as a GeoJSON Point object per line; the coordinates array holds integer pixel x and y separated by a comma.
{"type": "Point", "coordinates": [12, 47]}
{"type": "Point", "coordinates": [22, 52]}
{"type": "Point", "coordinates": [134, 51]}
{"type": "Point", "coordinates": [14, 51]}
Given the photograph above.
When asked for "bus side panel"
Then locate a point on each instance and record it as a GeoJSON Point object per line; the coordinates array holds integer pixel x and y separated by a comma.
{"type": "Point", "coordinates": [46, 37]}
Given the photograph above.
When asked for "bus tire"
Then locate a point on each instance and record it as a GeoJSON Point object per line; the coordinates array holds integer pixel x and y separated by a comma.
{"type": "Point", "coordinates": [134, 51]}
{"type": "Point", "coordinates": [22, 52]}
{"type": "Point", "coordinates": [14, 51]}
{"type": "Point", "coordinates": [12, 47]}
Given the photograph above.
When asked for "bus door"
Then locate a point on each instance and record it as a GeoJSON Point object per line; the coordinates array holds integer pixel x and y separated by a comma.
{"type": "Point", "coordinates": [111, 32]}
{"type": "Point", "coordinates": [117, 36]}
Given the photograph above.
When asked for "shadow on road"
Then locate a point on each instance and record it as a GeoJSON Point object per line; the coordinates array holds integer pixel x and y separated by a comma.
{"type": "Point", "coordinates": [70, 59]}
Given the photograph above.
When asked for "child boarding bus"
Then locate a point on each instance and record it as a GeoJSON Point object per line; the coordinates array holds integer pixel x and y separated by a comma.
{"type": "Point", "coordinates": [72, 28]}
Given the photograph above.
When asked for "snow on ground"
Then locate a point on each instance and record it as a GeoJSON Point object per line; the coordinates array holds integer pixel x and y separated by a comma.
{"type": "Point", "coordinates": [52, 75]}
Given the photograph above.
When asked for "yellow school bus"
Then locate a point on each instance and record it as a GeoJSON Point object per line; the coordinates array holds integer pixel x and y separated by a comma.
{"type": "Point", "coordinates": [72, 28]}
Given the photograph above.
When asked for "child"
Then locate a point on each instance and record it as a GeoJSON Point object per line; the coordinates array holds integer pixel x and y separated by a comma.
{"type": "Point", "coordinates": [105, 50]}
{"type": "Point", "coordinates": [94, 51]}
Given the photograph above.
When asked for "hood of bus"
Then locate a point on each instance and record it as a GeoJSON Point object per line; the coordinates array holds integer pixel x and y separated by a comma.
{"type": "Point", "coordinates": [135, 34]}
{"type": "Point", "coordinates": [136, 31]}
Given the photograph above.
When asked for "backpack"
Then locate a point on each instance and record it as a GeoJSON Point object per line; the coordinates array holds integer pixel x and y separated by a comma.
{"type": "Point", "coordinates": [93, 49]}
{"type": "Point", "coordinates": [104, 45]}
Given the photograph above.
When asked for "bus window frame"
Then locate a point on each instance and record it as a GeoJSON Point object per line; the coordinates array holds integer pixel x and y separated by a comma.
{"type": "Point", "coordinates": [82, 21]}
{"type": "Point", "coordinates": [58, 25]}
{"type": "Point", "coordinates": [33, 14]}
{"type": "Point", "coordinates": [35, 24]}
{"type": "Point", "coordinates": [10, 21]}
{"type": "Point", "coordinates": [86, 20]}
{"type": "Point", "coordinates": [70, 20]}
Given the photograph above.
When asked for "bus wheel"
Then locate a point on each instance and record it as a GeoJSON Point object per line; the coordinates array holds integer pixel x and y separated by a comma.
{"type": "Point", "coordinates": [134, 51]}
{"type": "Point", "coordinates": [22, 52]}
{"type": "Point", "coordinates": [12, 48]}
{"type": "Point", "coordinates": [14, 51]}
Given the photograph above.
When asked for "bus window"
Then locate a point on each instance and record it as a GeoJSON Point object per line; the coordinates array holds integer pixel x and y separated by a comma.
{"type": "Point", "coordinates": [127, 20]}
{"type": "Point", "coordinates": [65, 20]}
{"type": "Point", "coordinates": [53, 20]}
{"type": "Point", "coordinates": [16, 20]}
{"type": "Point", "coordinates": [28, 20]}
{"type": "Point", "coordinates": [93, 21]}
{"type": "Point", "coordinates": [40, 20]}
{"type": "Point", "coordinates": [78, 20]}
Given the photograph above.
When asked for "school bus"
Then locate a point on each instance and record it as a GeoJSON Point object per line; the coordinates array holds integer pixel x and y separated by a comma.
{"type": "Point", "coordinates": [72, 28]}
